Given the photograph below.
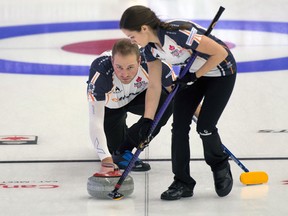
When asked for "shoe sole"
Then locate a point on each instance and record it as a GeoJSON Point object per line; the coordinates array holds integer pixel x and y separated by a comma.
{"type": "Point", "coordinates": [134, 169]}
{"type": "Point", "coordinates": [176, 198]}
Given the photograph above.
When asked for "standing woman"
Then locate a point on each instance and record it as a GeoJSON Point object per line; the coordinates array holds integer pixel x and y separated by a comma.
{"type": "Point", "coordinates": [210, 79]}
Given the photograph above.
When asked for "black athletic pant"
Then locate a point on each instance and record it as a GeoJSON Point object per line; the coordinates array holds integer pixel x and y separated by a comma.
{"type": "Point", "coordinates": [118, 136]}
{"type": "Point", "coordinates": [216, 92]}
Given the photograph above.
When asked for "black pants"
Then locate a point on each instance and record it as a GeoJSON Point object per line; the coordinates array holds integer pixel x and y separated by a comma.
{"type": "Point", "coordinates": [118, 135]}
{"type": "Point", "coordinates": [216, 92]}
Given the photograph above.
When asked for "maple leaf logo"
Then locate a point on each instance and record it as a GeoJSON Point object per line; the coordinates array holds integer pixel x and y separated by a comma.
{"type": "Point", "coordinates": [171, 47]}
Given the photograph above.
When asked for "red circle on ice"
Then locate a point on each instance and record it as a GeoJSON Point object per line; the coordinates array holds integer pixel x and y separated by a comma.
{"type": "Point", "coordinates": [90, 47]}
{"type": "Point", "coordinates": [99, 46]}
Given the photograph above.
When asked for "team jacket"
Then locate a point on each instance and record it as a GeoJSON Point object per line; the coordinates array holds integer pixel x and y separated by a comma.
{"type": "Point", "coordinates": [103, 84]}
{"type": "Point", "coordinates": [178, 46]}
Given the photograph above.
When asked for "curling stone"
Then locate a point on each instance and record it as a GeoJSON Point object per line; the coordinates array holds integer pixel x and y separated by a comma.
{"type": "Point", "coordinates": [100, 186]}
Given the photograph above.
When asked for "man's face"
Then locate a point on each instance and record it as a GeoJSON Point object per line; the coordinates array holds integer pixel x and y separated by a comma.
{"type": "Point", "coordinates": [125, 67]}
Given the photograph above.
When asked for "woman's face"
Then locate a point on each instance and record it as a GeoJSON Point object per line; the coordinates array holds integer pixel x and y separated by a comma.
{"type": "Point", "coordinates": [139, 38]}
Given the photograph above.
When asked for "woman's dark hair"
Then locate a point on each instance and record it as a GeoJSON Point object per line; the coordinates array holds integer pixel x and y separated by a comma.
{"type": "Point", "coordinates": [134, 17]}
{"type": "Point", "coordinates": [124, 47]}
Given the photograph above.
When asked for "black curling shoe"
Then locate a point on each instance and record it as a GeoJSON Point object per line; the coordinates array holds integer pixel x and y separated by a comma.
{"type": "Point", "coordinates": [223, 181]}
{"type": "Point", "coordinates": [177, 190]}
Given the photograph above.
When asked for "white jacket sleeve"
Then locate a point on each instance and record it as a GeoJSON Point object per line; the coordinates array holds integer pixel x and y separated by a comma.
{"type": "Point", "coordinates": [96, 127]}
